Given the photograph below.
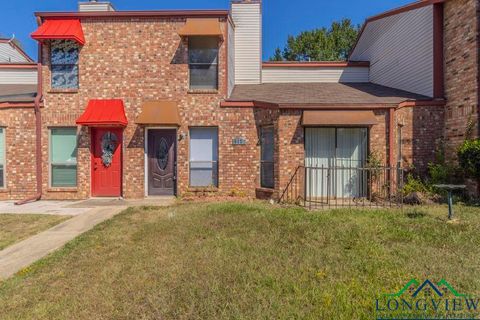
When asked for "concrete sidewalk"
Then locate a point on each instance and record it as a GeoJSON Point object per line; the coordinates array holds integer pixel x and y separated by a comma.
{"type": "Point", "coordinates": [87, 214]}
{"type": "Point", "coordinates": [60, 208]}
{"type": "Point", "coordinates": [26, 252]}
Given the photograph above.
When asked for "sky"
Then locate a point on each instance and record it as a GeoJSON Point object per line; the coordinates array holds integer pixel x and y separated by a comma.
{"type": "Point", "coordinates": [281, 18]}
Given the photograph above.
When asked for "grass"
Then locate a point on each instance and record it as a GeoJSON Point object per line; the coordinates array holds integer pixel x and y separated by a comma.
{"type": "Point", "coordinates": [17, 227]}
{"type": "Point", "coordinates": [245, 261]}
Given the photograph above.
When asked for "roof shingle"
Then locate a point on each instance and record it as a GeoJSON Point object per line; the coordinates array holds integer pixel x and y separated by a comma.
{"type": "Point", "coordinates": [321, 94]}
{"type": "Point", "coordinates": [18, 92]}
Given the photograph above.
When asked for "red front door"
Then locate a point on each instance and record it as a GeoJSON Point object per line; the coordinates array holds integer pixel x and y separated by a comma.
{"type": "Point", "coordinates": [107, 162]}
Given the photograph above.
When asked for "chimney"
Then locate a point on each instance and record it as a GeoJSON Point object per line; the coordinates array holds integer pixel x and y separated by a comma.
{"type": "Point", "coordinates": [247, 17]}
{"type": "Point", "coordinates": [95, 6]}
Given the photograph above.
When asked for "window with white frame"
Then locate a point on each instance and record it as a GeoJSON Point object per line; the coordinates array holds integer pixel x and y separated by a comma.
{"type": "Point", "coordinates": [204, 157]}
{"type": "Point", "coordinates": [2, 157]}
{"type": "Point", "coordinates": [63, 157]}
{"type": "Point", "coordinates": [203, 63]}
{"type": "Point", "coordinates": [64, 64]}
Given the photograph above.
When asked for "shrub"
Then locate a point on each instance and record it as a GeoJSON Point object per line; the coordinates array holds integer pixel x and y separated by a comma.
{"type": "Point", "coordinates": [414, 185]}
{"type": "Point", "coordinates": [374, 163]}
{"type": "Point", "coordinates": [469, 157]}
{"type": "Point", "coordinates": [444, 173]}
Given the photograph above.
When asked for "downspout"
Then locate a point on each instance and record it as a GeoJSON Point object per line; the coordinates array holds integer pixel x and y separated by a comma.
{"type": "Point", "coordinates": [391, 143]}
{"type": "Point", "coordinates": [38, 132]}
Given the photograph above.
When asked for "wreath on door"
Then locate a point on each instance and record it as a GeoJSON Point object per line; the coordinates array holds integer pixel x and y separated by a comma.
{"type": "Point", "coordinates": [109, 144]}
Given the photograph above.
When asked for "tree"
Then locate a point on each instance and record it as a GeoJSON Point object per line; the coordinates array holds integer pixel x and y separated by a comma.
{"type": "Point", "coordinates": [321, 44]}
{"type": "Point", "coordinates": [277, 56]}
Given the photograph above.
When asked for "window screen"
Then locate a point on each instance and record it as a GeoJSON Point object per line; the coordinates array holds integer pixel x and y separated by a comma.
{"type": "Point", "coordinates": [2, 158]}
{"type": "Point", "coordinates": [203, 157]}
{"type": "Point", "coordinates": [63, 157]}
{"type": "Point", "coordinates": [267, 161]}
{"type": "Point", "coordinates": [203, 62]}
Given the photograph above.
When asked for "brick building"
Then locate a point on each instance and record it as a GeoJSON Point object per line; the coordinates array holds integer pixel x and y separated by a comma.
{"type": "Point", "coordinates": [145, 103]}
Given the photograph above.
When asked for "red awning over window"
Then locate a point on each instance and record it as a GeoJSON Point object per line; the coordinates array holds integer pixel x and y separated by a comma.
{"type": "Point", "coordinates": [64, 29]}
{"type": "Point", "coordinates": [104, 113]}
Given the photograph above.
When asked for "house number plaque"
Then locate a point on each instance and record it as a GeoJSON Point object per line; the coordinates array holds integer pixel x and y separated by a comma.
{"type": "Point", "coordinates": [239, 141]}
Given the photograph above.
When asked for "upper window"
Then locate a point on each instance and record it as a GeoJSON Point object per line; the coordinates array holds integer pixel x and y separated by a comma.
{"type": "Point", "coordinates": [267, 160]}
{"type": "Point", "coordinates": [203, 63]}
{"type": "Point", "coordinates": [2, 158]}
{"type": "Point", "coordinates": [203, 157]}
{"type": "Point", "coordinates": [63, 157]}
{"type": "Point", "coordinates": [64, 64]}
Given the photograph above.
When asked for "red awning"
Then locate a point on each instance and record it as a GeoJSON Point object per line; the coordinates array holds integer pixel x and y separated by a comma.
{"type": "Point", "coordinates": [104, 113]}
{"type": "Point", "coordinates": [65, 29]}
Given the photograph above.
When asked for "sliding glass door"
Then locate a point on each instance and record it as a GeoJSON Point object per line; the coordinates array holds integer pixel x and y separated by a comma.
{"type": "Point", "coordinates": [333, 160]}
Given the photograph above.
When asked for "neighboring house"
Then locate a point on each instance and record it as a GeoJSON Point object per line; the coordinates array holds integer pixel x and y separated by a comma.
{"type": "Point", "coordinates": [146, 103]}
{"type": "Point", "coordinates": [18, 89]}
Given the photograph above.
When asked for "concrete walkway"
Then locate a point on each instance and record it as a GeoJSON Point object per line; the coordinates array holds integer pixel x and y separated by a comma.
{"type": "Point", "coordinates": [60, 208]}
{"type": "Point", "coordinates": [26, 252]}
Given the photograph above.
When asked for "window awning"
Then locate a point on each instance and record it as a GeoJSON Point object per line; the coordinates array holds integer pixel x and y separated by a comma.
{"type": "Point", "coordinates": [159, 112]}
{"type": "Point", "coordinates": [201, 27]}
{"type": "Point", "coordinates": [104, 113]}
{"type": "Point", "coordinates": [339, 118]}
{"type": "Point", "coordinates": [63, 29]}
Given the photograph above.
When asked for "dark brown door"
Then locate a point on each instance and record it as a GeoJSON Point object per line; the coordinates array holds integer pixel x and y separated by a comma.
{"type": "Point", "coordinates": [162, 162]}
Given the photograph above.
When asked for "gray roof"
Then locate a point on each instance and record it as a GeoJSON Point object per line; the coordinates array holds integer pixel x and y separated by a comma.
{"type": "Point", "coordinates": [322, 93]}
{"type": "Point", "coordinates": [18, 92]}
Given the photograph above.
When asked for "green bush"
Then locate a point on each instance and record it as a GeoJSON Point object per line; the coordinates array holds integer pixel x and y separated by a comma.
{"type": "Point", "coordinates": [444, 173]}
{"type": "Point", "coordinates": [414, 185]}
{"type": "Point", "coordinates": [469, 157]}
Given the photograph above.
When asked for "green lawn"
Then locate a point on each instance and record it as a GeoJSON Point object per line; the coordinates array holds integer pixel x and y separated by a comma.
{"type": "Point", "coordinates": [245, 261]}
{"type": "Point", "coordinates": [17, 227]}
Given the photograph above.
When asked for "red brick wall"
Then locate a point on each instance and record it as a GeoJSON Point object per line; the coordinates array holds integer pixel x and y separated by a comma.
{"type": "Point", "coordinates": [291, 151]}
{"type": "Point", "coordinates": [19, 124]}
{"type": "Point", "coordinates": [378, 133]}
{"type": "Point", "coordinates": [422, 135]}
{"type": "Point", "coordinates": [137, 60]}
{"type": "Point", "coordinates": [113, 64]}
{"type": "Point", "coordinates": [140, 60]}
{"type": "Point", "coordinates": [461, 70]}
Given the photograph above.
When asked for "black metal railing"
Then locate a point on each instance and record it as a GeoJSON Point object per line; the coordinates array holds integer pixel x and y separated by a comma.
{"type": "Point", "coordinates": [332, 187]}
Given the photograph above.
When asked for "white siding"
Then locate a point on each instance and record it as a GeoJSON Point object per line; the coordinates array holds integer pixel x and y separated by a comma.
{"type": "Point", "coordinates": [18, 76]}
{"type": "Point", "coordinates": [231, 58]}
{"type": "Point", "coordinates": [9, 54]}
{"type": "Point", "coordinates": [248, 42]}
{"type": "Point", "coordinates": [92, 6]}
{"type": "Point", "coordinates": [320, 74]}
{"type": "Point", "coordinates": [400, 51]}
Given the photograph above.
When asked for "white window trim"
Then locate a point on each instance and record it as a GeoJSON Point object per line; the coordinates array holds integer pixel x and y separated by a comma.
{"type": "Point", "coordinates": [50, 157]}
